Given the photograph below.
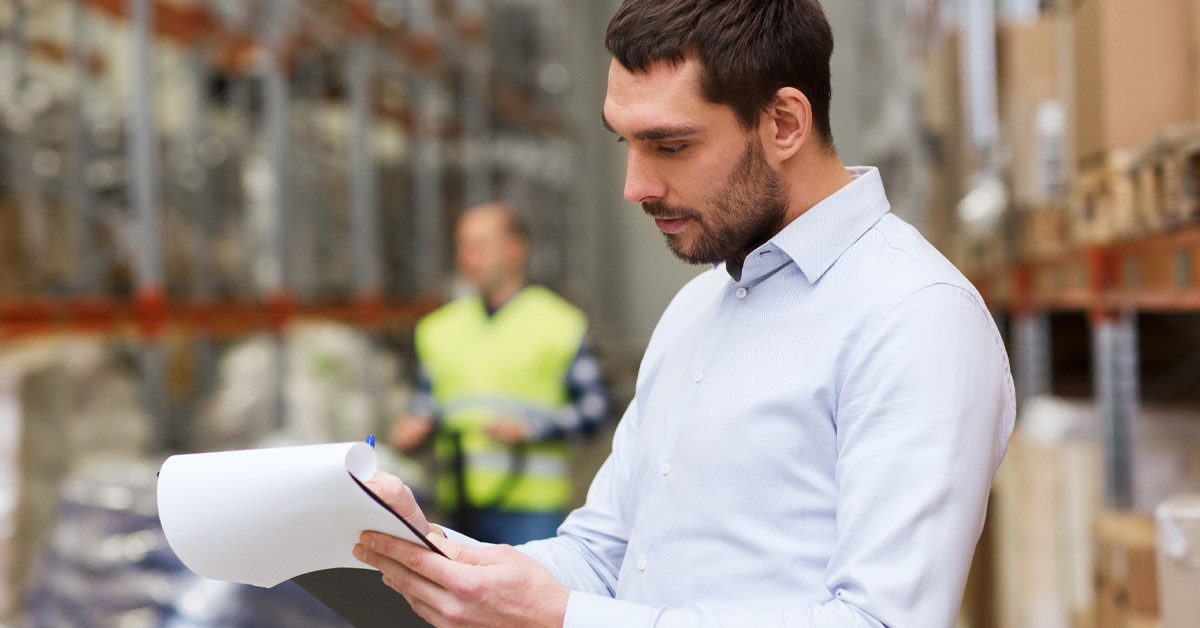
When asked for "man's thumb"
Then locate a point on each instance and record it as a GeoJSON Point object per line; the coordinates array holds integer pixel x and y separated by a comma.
{"type": "Point", "coordinates": [458, 552]}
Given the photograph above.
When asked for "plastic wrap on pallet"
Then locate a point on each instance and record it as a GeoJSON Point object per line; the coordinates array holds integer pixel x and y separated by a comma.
{"type": "Point", "coordinates": [1178, 520]}
{"type": "Point", "coordinates": [10, 425]}
{"type": "Point", "coordinates": [338, 387]}
{"type": "Point", "coordinates": [65, 398]}
{"type": "Point", "coordinates": [1048, 496]}
{"type": "Point", "coordinates": [108, 564]}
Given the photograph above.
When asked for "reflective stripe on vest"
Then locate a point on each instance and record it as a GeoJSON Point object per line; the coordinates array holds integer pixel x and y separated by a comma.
{"type": "Point", "coordinates": [483, 369]}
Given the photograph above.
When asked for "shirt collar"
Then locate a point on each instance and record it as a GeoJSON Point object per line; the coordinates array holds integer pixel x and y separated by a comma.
{"type": "Point", "coordinates": [816, 239]}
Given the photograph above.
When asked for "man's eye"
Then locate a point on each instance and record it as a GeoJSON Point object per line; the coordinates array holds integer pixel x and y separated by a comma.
{"type": "Point", "coordinates": [671, 150]}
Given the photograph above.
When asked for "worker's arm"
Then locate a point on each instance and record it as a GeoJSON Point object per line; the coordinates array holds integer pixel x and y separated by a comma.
{"type": "Point", "coordinates": [412, 429]}
{"type": "Point", "coordinates": [589, 406]}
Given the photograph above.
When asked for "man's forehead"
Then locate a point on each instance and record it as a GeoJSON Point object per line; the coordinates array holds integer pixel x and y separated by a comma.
{"type": "Point", "coordinates": [661, 76]}
{"type": "Point", "coordinates": [667, 93]}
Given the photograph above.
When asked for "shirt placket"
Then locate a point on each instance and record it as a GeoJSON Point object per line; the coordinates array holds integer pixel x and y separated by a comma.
{"type": "Point", "coordinates": [699, 372]}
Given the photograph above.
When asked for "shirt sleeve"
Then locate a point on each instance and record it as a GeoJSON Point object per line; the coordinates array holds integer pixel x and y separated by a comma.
{"type": "Point", "coordinates": [422, 400]}
{"type": "Point", "coordinates": [925, 409]}
{"type": "Point", "coordinates": [589, 401]}
{"type": "Point", "coordinates": [590, 547]}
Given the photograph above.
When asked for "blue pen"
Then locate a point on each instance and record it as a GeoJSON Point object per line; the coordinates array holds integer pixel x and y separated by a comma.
{"type": "Point", "coordinates": [371, 440]}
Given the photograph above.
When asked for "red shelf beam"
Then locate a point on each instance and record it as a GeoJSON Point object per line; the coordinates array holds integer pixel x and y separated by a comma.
{"type": "Point", "coordinates": [21, 318]}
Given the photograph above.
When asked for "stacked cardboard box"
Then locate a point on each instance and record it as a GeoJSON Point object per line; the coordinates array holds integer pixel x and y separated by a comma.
{"type": "Point", "coordinates": [1179, 560]}
{"type": "Point", "coordinates": [1133, 73]}
{"type": "Point", "coordinates": [1046, 496]}
{"type": "Point", "coordinates": [1047, 504]}
{"type": "Point", "coordinates": [1033, 124]}
{"type": "Point", "coordinates": [1030, 108]}
{"type": "Point", "coordinates": [942, 120]}
{"type": "Point", "coordinates": [1126, 573]}
{"type": "Point", "coordinates": [1134, 77]}
{"type": "Point", "coordinates": [1195, 56]}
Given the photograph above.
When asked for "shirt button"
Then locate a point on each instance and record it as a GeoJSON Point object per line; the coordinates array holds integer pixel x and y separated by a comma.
{"type": "Point", "coordinates": [698, 377]}
{"type": "Point", "coordinates": [642, 565]}
{"type": "Point", "coordinates": [665, 469]}
{"type": "Point", "coordinates": [742, 292]}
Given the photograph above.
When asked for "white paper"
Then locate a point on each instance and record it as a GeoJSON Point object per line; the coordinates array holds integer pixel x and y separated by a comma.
{"type": "Point", "coordinates": [267, 515]}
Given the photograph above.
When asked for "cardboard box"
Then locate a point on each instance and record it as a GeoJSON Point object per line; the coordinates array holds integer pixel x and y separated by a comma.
{"type": "Point", "coordinates": [1047, 503]}
{"type": "Point", "coordinates": [1028, 75]}
{"type": "Point", "coordinates": [1179, 560]}
{"type": "Point", "coordinates": [942, 119]}
{"type": "Point", "coordinates": [1196, 53]}
{"type": "Point", "coordinates": [1133, 73]}
{"type": "Point", "coordinates": [1045, 499]}
{"type": "Point", "coordinates": [1103, 200]}
{"type": "Point", "coordinates": [1126, 570]}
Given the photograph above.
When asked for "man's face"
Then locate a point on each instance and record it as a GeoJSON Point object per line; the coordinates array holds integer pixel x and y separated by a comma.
{"type": "Point", "coordinates": [692, 166]}
{"type": "Point", "coordinates": [486, 252]}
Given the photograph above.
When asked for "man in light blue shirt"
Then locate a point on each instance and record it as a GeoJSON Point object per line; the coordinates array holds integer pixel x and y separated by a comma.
{"type": "Point", "coordinates": [817, 420]}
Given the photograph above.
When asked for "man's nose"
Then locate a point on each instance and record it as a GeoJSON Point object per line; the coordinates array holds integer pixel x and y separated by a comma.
{"type": "Point", "coordinates": [642, 183]}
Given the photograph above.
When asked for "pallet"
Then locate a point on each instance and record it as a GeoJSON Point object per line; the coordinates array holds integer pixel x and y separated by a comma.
{"type": "Point", "coordinates": [1179, 162]}
{"type": "Point", "coordinates": [1045, 231]}
{"type": "Point", "coordinates": [1150, 188]}
{"type": "Point", "coordinates": [1103, 206]}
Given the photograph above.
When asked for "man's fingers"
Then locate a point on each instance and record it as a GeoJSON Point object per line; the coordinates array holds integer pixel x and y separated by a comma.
{"type": "Point", "coordinates": [412, 585]}
{"type": "Point", "coordinates": [463, 554]}
{"type": "Point", "coordinates": [396, 494]}
{"type": "Point", "coordinates": [452, 550]}
{"type": "Point", "coordinates": [415, 558]}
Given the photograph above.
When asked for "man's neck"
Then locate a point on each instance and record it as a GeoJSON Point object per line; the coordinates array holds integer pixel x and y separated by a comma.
{"type": "Point", "coordinates": [810, 181]}
{"type": "Point", "coordinates": [496, 296]}
{"type": "Point", "coordinates": [813, 180]}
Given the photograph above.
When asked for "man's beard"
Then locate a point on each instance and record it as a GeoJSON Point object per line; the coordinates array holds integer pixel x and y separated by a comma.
{"type": "Point", "coordinates": [747, 212]}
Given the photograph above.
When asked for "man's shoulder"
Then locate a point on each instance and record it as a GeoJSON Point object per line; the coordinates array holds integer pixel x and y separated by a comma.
{"type": "Point", "coordinates": [448, 313]}
{"type": "Point", "coordinates": [545, 297]}
{"type": "Point", "coordinates": [904, 262]}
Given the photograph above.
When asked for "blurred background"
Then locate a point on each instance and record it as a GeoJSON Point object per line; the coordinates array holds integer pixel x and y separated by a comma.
{"type": "Point", "coordinates": [220, 220]}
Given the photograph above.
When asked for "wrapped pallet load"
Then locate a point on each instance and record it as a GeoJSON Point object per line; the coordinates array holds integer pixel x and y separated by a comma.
{"type": "Point", "coordinates": [1063, 560]}
{"type": "Point", "coordinates": [1178, 520]}
{"type": "Point", "coordinates": [62, 401]}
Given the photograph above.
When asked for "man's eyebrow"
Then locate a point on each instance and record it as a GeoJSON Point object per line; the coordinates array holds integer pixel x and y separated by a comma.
{"type": "Point", "coordinates": [665, 133]}
{"type": "Point", "coordinates": [657, 133]}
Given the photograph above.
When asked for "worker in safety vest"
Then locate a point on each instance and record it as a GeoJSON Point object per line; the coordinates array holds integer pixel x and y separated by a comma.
{"type": "Point", "coordinates": [504, 376]}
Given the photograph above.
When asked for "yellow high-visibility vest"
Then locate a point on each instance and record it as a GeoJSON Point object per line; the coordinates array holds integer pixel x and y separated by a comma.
{"type": "Point", "coordinates": [484, 367]}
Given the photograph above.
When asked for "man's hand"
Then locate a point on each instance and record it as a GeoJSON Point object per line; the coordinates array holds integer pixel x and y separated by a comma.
{"type": "Point", "coordinates": [394, 493]}
{"type": "Point", "coordinates": [410, 431]}
{"type": "Point", "coordinates": [479, 586]}
{"type": "Point", "coordinates": [509, 431]}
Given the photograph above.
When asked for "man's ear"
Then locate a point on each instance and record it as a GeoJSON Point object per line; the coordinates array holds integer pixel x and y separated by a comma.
{"type": "Point", "coordinates": [786, 125]}
{"type": "Point", "coordinates": [518, 254]}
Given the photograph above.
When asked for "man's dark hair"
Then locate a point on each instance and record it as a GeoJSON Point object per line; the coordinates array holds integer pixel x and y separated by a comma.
{"type": "Point", "coordinates": [748, 49]}
{"type": "Point", "coordinates": [514, 222]}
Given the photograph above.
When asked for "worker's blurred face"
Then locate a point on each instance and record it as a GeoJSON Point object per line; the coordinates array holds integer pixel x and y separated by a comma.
{"type": "Point", "coordinates": [487, 252]}
{"type": "Point", "coordinates": [692, 166]}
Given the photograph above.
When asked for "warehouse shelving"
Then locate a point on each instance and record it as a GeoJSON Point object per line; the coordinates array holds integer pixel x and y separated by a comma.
{"type": "Point", "coordinates": [1112, 284]}
{"type": "Point", "coordinates": [329, 240]}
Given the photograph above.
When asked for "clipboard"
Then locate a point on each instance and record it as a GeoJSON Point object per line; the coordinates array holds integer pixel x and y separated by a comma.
{"type": "Point", "coordinates": [263, 517]}
{"type": "Point", "coordinates": [359, 595]}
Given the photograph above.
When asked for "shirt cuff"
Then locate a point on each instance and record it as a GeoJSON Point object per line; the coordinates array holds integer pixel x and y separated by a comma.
{"type": "Point", "coordinates": [588, 610]}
